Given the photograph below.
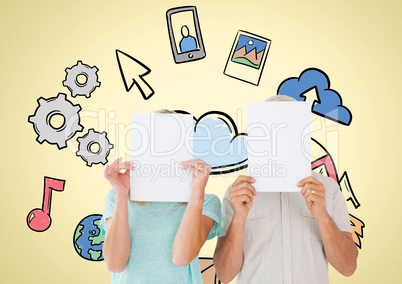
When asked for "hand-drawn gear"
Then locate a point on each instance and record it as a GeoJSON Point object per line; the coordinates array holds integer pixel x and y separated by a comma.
{"type": "Point", "coordinates": [81, 88]}
{"type": "Point", "coordinates": [86, 152]}
{"type": "Point", "coordinates": [47, 109]}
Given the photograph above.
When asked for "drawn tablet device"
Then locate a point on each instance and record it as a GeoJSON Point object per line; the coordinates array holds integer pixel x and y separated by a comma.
{"type": "Point", "coordinates": [247, 58]}
{"type": "Point", "coordinates": [185, 34]}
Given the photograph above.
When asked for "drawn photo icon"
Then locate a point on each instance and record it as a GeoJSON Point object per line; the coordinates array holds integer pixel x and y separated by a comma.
{"type": "Point", "coordinates": [247, 58]}
{"type": "Point", "coordinates": [249, 51]}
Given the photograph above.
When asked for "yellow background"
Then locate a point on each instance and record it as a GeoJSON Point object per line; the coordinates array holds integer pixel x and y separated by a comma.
{"type": "Point", "coordinates": [356, 43]}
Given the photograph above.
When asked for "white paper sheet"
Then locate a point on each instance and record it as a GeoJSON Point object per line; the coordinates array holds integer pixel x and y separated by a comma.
{"type": "Point", "coordinates": [160, 142]}
{"type": "Point", "coordinates": [279, 145]}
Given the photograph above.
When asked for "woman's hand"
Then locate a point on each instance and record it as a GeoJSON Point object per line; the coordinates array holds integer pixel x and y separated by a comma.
{"type": "Point", "coordinates": [200, 171]}
{"type": "Point", "coordinates": [118, 174]}
{"type": "Point", "coordinates": [194, 227]}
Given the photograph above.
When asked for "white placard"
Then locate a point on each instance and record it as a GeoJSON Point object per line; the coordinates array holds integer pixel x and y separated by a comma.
{"type": "Point", "coordinates": [279, 145]}
{"type": "Point", "coordinates": [160, 142]}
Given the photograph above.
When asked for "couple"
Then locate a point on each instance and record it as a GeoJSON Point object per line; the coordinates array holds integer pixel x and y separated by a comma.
{"type": "Point", "coordinates": [263, 238]}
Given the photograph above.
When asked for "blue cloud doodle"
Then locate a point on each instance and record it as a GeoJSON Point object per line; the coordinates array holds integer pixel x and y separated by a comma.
{"type": "Point", "coordinates": [328, 103]}
{"type": "Point", "coordinates": [218, 142]}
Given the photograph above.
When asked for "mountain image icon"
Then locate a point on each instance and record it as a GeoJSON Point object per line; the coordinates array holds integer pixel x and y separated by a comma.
{"type": "Point", "coordinates": [251, 58]}
{"type": "Point", "coordinates": [247, 57]}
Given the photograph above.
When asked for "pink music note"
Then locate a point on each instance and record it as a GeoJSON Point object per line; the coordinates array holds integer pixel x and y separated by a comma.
{"type": "Point", "coordinates": [39, 219]}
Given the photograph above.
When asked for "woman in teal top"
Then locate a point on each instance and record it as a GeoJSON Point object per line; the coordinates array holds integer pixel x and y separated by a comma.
{"type": "Point", "coordinates": [157, 242]}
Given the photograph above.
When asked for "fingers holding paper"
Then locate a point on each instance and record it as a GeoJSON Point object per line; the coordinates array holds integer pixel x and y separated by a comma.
{"type": "Point", "coordinates": [200, 171]}
{"type": "Point", "coordinates": [242, 194]}
{"type": "Point", "coordinates": [197, 166]}
{"type": "Point", "coordinates": [118, 175]}
{"type": "Point", "coordinates": [314, 194]}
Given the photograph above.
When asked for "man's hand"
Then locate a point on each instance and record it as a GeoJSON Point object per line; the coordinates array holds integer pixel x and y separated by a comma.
{"type": "Point", "coordinates": [241, 194]}
{"type": "Point", "coordinates": [314, 193]}
{"type": "Point", "coordinates": [339, 246]}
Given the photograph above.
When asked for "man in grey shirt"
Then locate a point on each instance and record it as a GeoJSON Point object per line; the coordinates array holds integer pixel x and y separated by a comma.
{"type": "Point", "coordinates": [284, 237]}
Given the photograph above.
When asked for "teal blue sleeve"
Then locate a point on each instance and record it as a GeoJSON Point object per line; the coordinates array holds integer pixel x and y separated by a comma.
{"type": "Point", "coordinates": [108, 209]}
{"type": "Point", "coordinates": [212, 209]}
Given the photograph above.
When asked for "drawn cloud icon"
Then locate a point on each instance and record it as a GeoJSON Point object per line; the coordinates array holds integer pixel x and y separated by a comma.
{"type": "Point", "coordinates": [328, 103]}
{"type": "Point", "coordinates": [218, 143]}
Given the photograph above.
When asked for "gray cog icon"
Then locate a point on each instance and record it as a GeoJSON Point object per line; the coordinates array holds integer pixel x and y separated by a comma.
{"type": "Point", "coordinates": [81, 87]}
{"type": "Point", "coordinates": [94, 147]}
{"type": "Point", "coordinates": [42, 120]}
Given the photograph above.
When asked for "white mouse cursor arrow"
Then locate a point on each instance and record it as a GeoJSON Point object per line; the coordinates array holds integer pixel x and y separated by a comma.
{"type": "Point", "coordinates": [132, 72]}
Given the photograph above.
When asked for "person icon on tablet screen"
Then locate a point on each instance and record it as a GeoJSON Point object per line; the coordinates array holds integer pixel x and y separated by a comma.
{"type": "Point", "coordinates": [188, 42]}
